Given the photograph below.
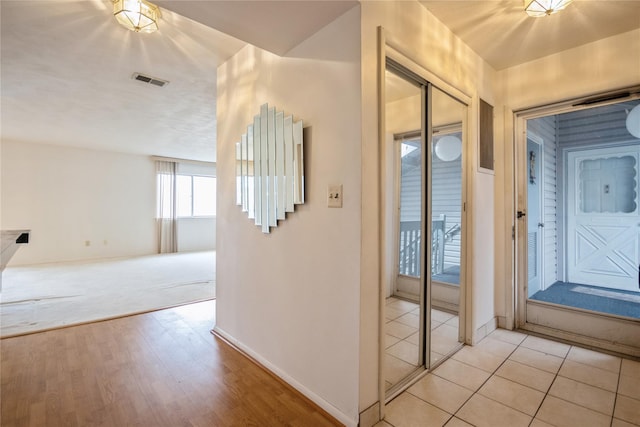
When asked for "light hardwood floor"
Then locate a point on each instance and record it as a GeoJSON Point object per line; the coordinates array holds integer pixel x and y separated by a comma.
{"type": "Point", "coordinates": [157, 369]}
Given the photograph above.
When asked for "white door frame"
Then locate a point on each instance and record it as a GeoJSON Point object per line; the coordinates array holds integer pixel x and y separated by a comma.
{"type": "Point", "coordinates": [401, 282]}
{"type": "Point", "coordinates": [609, 332]}
{"type": "Point", "coordinates": [388, 48]}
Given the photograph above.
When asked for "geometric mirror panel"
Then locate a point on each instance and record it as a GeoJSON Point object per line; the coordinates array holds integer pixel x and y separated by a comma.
{"type": "Point", "coordinates": [270, 168]}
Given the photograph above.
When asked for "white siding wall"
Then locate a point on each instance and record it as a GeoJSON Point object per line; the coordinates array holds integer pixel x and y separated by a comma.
{"type": "Point", "coordinates": [410, 194]}
{"type": "Point", "coordinates": [595, 126]}
{"type": "Point", "coordinates": [545, 128]}
{"type": "Point", "coordinates": [447, 199]}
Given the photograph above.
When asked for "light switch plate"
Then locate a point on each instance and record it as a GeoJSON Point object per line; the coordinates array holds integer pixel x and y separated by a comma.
{"type": "Point", "coordinates": [334, 196]}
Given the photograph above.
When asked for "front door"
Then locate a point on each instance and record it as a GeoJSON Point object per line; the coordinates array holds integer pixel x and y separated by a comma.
{"type": "Point", "coordinates": [603, 221]}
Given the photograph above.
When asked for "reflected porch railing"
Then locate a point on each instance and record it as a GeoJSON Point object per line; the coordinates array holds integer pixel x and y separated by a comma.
{"type": "Point", "coordinates": [410, 234]}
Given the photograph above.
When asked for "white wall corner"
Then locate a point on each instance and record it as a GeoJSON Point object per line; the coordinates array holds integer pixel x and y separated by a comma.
{"type": "Point", "coordinates": [484, 330]}
{"type": "Point", "coordinates": [264, 363]}
{"type": "Point", "coordinates": [370, 416]}
{"type": "Point", "coordinates": [502, 323]}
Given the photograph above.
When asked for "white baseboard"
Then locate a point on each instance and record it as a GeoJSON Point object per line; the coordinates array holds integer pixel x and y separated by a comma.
{"type": "Point", "coordinates": [370, 416]}
{"type": "Point", "coordinates": [502, 323]}
{"type": "Point", "coordinates": [484, 330]}
{"type": "Point", "coordinates": [328, 407]}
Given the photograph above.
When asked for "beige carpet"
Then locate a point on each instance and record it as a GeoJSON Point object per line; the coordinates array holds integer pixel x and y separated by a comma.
{"type": "Point", "coordinates": [47, 296]}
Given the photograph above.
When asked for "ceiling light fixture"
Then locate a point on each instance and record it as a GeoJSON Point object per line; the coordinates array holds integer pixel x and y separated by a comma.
{"type": "Point", "coordinates": [137, 15]}
{"type": "Point", "coordinates": [539, 8]}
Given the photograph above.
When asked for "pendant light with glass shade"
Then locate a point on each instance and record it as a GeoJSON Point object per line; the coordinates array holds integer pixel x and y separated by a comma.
{"type": "Point", "coordinates": [633, 121]}
{"type": "Point", "coordinates": [448, 148]}
{"type": "Point", "coordinates": [140, 16]}
{"type": "Point", "coordinates": [540, 8]}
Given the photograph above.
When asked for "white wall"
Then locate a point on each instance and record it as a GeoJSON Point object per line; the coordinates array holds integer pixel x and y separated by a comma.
{"type": "Point", "coordinates": [432, 46]}
{"type": "Point", "coordinates": [604, 65]}
{"type": "Point", "coordinates": [600, 66]}
{"type": "Point", "coordinates": [289, 309]}
{"type": "Point", "coordinates": [196, 234]}
{"type": "Point", "coordinates": [291, 298]}
{"type": "Point", "coordinates": [68, 196]}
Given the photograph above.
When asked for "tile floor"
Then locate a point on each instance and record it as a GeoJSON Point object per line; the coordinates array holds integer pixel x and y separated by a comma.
{"type": "Point", "coordinates": [401, 342]}
{"type": "Point", "coordinates": [512, 379]}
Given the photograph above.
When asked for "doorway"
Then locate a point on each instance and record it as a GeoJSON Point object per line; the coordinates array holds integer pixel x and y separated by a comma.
{"type": "Point", "coordinates": [425, 133]}
{"type": "Point", "coordinates": [578, 224]}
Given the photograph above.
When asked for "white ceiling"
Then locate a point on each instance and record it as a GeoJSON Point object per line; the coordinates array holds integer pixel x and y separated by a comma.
{"type": "Point", "coordinates": [67, 67]}
{"type": "Point", "coordinates": [273, 25]}
{"type": "Point", "coordinates": [66, 64]}
{"type": "Point", "coordinates": [504, 35]}
{"type": "Point", "coordinates": [66, 80]}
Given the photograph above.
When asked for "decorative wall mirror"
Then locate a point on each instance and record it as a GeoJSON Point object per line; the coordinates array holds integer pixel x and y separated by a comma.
{"type": "Point", "coordinates": [270, 168]}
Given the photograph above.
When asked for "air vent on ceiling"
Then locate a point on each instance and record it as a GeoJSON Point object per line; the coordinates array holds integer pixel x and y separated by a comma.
{"type": "Point", "coordinates": [150, 80]}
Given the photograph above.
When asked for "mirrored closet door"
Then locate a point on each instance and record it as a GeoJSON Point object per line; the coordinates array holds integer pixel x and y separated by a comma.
{"type": "Point", "coordinates": [424, 135]}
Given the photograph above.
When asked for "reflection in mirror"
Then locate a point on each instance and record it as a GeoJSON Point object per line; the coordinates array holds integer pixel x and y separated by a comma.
{"type": "Point", "coordinates": [446, 229]}
{"type": "Point", "coordinates": [404, 330]}
{"type": "Point", "coordinates": [239, 174]}
{"type": "Point", "coordinates": [288, 162]}
{"type": "Point", "coordinates": [422, 305]}
{"type": "Point", "coordinates": [244, 173]}
{"type": "Point", "coordinates": [280, 182]}
{"type": "Point", "coordinates": [270, 167]}
{"type": "Point", "coordinates": [298, 165]}
{"type": "Point", "coordinates": [248, 203]}
{"type": "Point", "coordinates": [272, 174]}
{"type": "Point", "coordinates": [264, 168]}
{"type": "Point", "coordinates": [247, 177]}
{"type": "Point", "coordinates": [257, 171]}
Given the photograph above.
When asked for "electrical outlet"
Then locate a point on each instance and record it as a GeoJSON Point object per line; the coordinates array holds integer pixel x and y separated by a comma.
{"type": "Point", "coordinates": [334, 196]}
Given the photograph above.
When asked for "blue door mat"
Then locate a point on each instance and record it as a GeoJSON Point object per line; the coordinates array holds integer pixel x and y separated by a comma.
{"type": "Point", "coordinates": [594, 298]}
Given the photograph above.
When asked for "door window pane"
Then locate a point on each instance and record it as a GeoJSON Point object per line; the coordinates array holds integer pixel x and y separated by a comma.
{"type": "Point", "coordinates": [608, 185]}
